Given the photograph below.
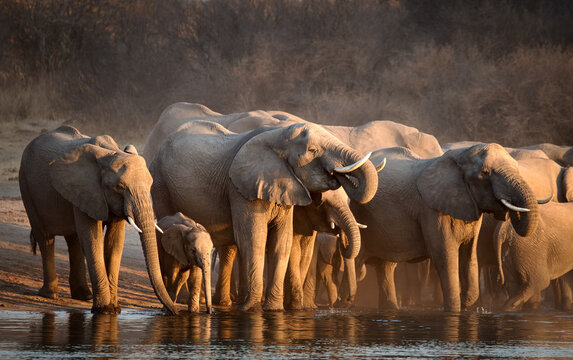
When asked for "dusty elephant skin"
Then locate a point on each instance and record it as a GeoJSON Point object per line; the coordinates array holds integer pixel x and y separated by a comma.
{"type": "Point", "coordinates": [244, 186]}
{"type": "Point", "coordinates": [72, 185]}
{"type": "Point", "coordinates": [528, 264]}
{"type": "Point", "coordinates": [433, 208]}
{"type": "Point", "coordinates": [185, 255]}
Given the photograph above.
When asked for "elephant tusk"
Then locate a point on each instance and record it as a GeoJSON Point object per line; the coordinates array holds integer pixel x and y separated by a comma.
{"type": "Point", "coordinates": [158, 228]}
{"type": "Point", "coordinates": [332, 226]}
{"type": "Point", "coordinates": [362, 226]}
{"type": "Point", "coordinates": [381, 165]}
{"type": "Point", "coordinates": [513, 207]}
{"type": "Point", "coordinates": [545, 201]}
{"type": "Point", "coordinates": [352, 167]}
{"type": "Point", "coordinates": [132, 223]}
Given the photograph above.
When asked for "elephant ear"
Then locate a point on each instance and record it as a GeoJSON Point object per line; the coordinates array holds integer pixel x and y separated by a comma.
{"type": "Point", "coordinates": [443, 188]}
{"type": "Point", "coordinates": [172, 242]}
{"type": "Point", "coordinates": [77, 177]}
{"type": "Point", "coordinates": [258, 172]}
{"type": "Point", "coordinates": [567, 183]}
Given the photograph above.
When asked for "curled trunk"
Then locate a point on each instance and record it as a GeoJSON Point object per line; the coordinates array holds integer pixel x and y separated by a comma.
{"type": "Point", "coordinates": [511, 187]}
{"type": "Point", "coordinates": [360, 184]}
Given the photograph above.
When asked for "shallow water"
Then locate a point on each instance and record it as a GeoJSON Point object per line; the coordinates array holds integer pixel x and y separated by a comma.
{"type": "Point", "coordinates": [139, 334]}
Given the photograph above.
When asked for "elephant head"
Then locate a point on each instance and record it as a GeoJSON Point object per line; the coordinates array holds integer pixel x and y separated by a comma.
{"type": "Point", "coordinates": [483, 178]}
{"type": "Point", "coordinates": [103, 181]}
{"type": "Point", "coordinates": [291, 165]}
{"type": "Point", "coordinates": [190, 244]}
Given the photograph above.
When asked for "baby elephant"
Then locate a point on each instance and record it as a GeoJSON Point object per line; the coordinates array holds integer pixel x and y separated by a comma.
{"type": "Point", "coordinates": [185, 254]}
{"type": "Point", "coordinates": [528, 264]}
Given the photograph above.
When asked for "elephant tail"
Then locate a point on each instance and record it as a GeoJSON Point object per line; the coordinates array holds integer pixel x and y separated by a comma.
{"type": "Point", "coordinates": [33, 243]}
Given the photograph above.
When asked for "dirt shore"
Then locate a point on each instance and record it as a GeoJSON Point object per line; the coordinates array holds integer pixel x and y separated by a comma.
{"type": "Point", "coordinates": [21, 270]}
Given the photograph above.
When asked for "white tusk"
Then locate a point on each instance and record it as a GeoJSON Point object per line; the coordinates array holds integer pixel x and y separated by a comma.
{"type": "Point", "coordinates": [513, 207]}
{"type": "Point", "coordinates": [545, 201]}
{"type": "Point", "coordinates": [381, 166]}
{"type": "Point", "coordinates": [158, 228]}
{"type": "Point", "coordinates": [132, 223]}
{"type": "Point", "coordinates": [332, 226]}
{"type": "Point", "coordinates": [362, 226]}
{"type": "Point", "coordinates": [352, 167]}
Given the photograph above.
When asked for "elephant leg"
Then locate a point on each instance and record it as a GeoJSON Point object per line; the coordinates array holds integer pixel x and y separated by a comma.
{"type": "Point", "coordinates": [293, 282]}
{"type": "Point", "coordinates": [387, 288]}
{"type": "Point", "coordinates": [79, 287]}
{"type": "Point", "coordinates": [113, 250]}
{"type": "Point", "coordinates": [469, 274]}
{"type": "Point", "coordinates": [443, 247]}
{"type": "Point", "coordinates": [47, 248]}
{"type": "Point", "coordinates": [227, 255]}
{"type": "Point", "coordinates": [566, 292]}
{"type": "Point", "coordinates": [183, 278]}
{"type": "Point", "coordinates": [309, 287]}
{"type": "Point", "coordinates": [280, 240]}
{"type": "Point", "coordinates": [516, 301]}
{"type": "Point", "coordinates": [326, 273]}
{"type": "Point", "coordinates": [194, 284]}
{"type": "Point", "coordinates": [91, 239]}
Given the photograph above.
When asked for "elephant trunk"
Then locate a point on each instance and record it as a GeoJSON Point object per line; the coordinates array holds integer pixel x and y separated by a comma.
{"type": "Point", "coordinates": [361, 183]}
{"type": "Point", "coordinates": [350, 271]}
{"type": "Point", "coordinates": [206, 269]}
{"type": "Point", "coordinates": [511, 187]}
{"type": "Point", "coordinates": [344, 218]}
{"type": "Point", "coordinates": [143, 216]}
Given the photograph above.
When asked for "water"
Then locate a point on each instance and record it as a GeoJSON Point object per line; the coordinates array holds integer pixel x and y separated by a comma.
{"type": "Point", "coordinates": [137, 334]}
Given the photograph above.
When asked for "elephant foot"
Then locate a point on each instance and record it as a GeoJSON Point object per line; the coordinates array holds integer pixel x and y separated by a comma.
{"type": "Point", "coordinates": [310, 306]}
{"type": "Point", "coordinates": [108, 309]}
{"type": "Point", "coordinates": [253, 307]}
{"type": "Point", "coordinates": [295, 305]}
{"type": "Point", "coordinates": [81, 293]}
{"type": "Point", "coordinates": [48, 292]}
{"type": "Point", "coordinates": [223, 302]}
{"type": "Point", "coordinates": [274, 306]}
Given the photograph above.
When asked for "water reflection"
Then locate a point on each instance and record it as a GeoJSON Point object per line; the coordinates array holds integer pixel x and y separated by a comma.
{"type": "Point", "coordinates": [229, 334]}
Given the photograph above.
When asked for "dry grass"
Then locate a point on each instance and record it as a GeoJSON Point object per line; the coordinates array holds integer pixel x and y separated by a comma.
{"type": "Point", "coordinates": [498, 71]}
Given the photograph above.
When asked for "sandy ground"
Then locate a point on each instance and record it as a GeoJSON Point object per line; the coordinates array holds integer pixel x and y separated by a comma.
{"type": "Point", "coordinates": [21, 270]}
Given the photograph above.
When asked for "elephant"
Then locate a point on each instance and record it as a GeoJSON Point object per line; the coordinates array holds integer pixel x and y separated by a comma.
{"type": "Point", "coordinates": [72, 185]}
{"type": "Point", "coordinates": [527, 264]}
{"type": "Point", "coordinates": [368, 137]}
{"type": "Point", "coordinates": [563, 155]}
{"type": "Point", "coordinates": [326, 267]}
{"type": "Point", "coordinates": [180, 113]}
{"type": "Point", "coordinates": [243, 187]}
{"type": "Point", "coordinates": [432, 208]}
{"type": "Point", "coordinates": [549, 182]}
{"type": "Point", "coordinates": [185, 255]}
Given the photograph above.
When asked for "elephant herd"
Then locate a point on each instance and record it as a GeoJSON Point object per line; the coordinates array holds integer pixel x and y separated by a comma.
{"type": "Point", "coordinates": [288, 204]}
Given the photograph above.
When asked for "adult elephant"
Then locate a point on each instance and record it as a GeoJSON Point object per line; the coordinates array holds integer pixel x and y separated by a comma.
{"type": "Point", "coordinates": [563, 155]}
{"type": "Point", "coordinates": [180, 113]}
{"type": "Point", "coordinates": [244, 187]}
{"type": "Point", "coordinates": [71, 185]}
{"type": "Point", "coordinates": [433, 208]}
{"type": "Point", "coordinates": [549, 182]}
{"type": "Point", "coordinates": [368, 137]}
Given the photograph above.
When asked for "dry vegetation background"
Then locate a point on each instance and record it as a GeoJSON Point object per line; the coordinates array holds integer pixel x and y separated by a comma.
{"type": "Point", "coordinates": [496, 70]}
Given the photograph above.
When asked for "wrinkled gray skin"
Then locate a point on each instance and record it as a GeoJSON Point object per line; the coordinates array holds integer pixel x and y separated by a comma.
{"type": "Point", "coordinates": [431, 208]}
{"type": "Point", "coordinates": [545, 178]}
{"type": "Point", "coordinates": [185, 255]}
{"type": "Point", "coordinates": [180, 113]}
{"type": "Point", "coordinates": [72, 185]}
{"type": "Point", "coordinates": [528, 264]}
{"type": "Point", "coordinates": [563, 155]}
{"type": "Point", "coordinates": [326, 268]}
{"type": "Point", "coordinates": [244, 186]}
{"type": "Point", "coordinates": [330, 214]}
{"type": "Point", "coordinates": [365, 138]}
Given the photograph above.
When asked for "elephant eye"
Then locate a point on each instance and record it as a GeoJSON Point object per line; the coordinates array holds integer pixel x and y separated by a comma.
{"type": "Point", "coordinates": [313, 150]}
